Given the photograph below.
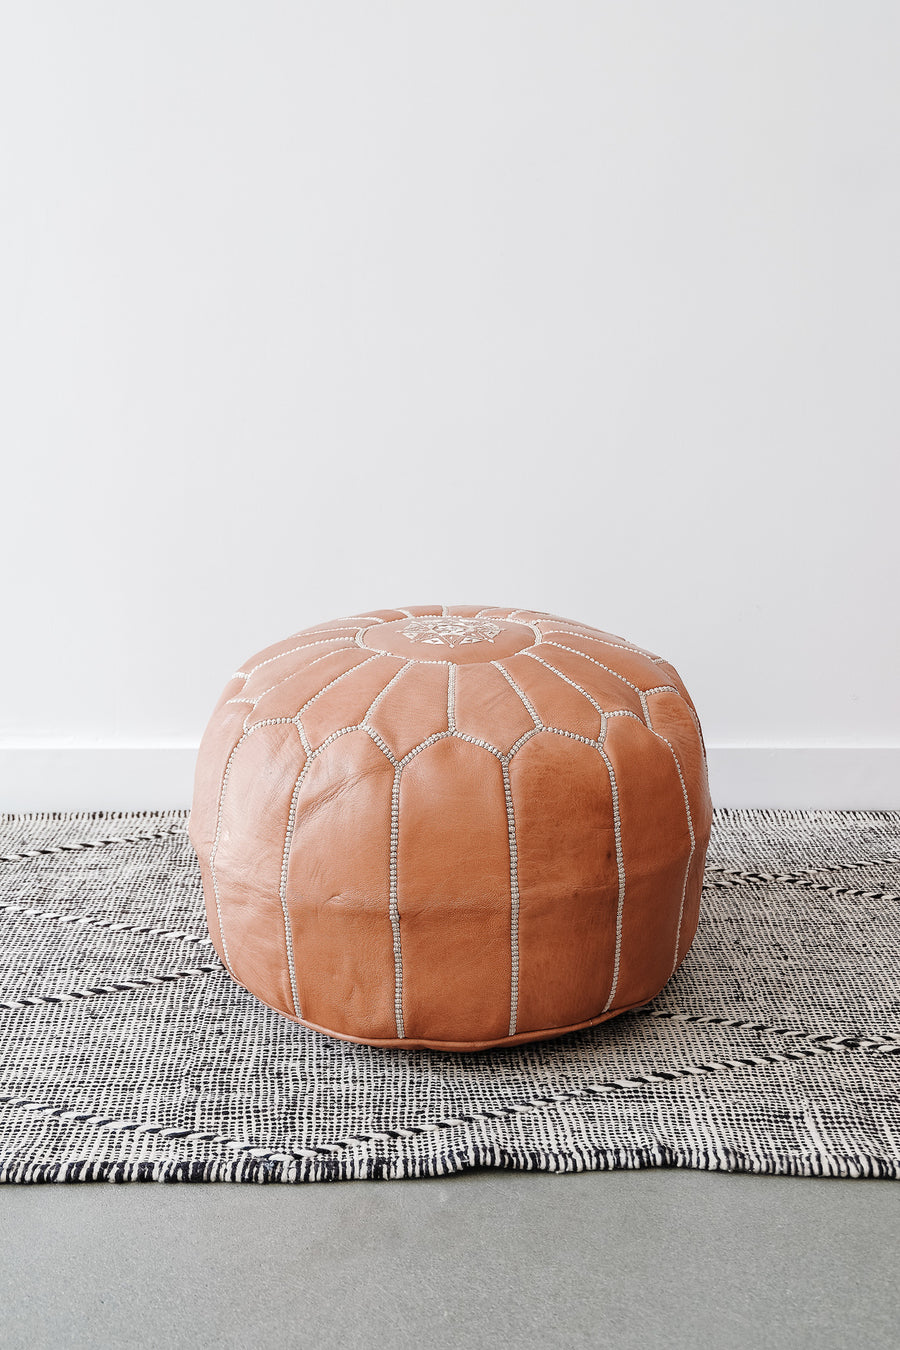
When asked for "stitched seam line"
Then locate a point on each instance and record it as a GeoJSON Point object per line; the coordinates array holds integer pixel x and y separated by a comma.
{"type": "Point", "coordinates": [514, 901]}
{"type": "Point", "coordinates": [690, 825]}
{"type": "Point", "coordinates": [606, 642]}
{"type": "Point", "coordinates": [394, 911]}
{"type": "Point", "coordinates": [529, 707]}
{"type": "Point", "coordinates": [254, 702]}
{"type": "Point", "coordinates": [620, 863]}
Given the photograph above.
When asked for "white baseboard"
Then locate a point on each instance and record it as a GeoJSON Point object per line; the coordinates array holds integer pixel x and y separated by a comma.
{"type": "Point", "coordinates": [843, 777]}
{"type": "Point", "coordinates": [96, 778]}
{"type": "Point", "coordinates": [147, 777]}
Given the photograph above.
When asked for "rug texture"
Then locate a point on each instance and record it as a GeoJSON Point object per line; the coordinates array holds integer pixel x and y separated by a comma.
{"type": "Point", "coordinates": [128, 1054]}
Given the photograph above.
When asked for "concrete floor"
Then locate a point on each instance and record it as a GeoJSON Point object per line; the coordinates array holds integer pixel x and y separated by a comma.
{"type": "Point", "coordinates": [492, 1259]}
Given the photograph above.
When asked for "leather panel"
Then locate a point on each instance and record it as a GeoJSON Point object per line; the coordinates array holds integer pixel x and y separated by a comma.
{"type": "Point", "coordinates": [568, 881]}
{"type": "Point", "coordinates": [412, 709]}
{"type": "Point", "coordinates": [291, 693]}
{"type": "Point", "coordinates": [485, 710]}
{"type": "Point", "coordinates": [606, 686]}
{"type": "Point", "coordinates": [669, 715]}
{"type": "Point", "coordinates": [656, 846]}
{"type": "Point", "coordinates": [219, 739]}
{"type": "Point", "coordinates": [671, 676]}
{"type": "Point", "coordinates": [347, 702]}
{"type": "Point", "coordinates": [334, 628]}
{"type": "Point", "coordinates": [453, 886]}
{"type": "Point", "coordinates": [263, 675]}
{"type": "Point", "coordinates": [247, 862]}
{"type": "Point", "coordinates": [556, 703]}
{"type": "Point", "coordinates": [338, 889]}
{"type": "Point", "coordinates": [465, 611]}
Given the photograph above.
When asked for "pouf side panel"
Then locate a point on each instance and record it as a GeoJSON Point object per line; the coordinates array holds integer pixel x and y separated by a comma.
{"type": "Point", "coordinates": [290, 693]}
{"type": "Point", "coordinates": [221, 735]}
{"type": "Point", "coordinates": [247, 861]}
{"type": "Point", "coordinates": [603, 682]}
{"type": "Point", "coordinates": [672, 677]}
{"type": "Point", "coordinates": [380, 616]}
{"type": "Point", "coordinates": [329, 628]}
{"type": "Point", "coordinates": [465, 611]}
{"type": "Point", "coordinates": [488, 708]}
{"type": "Point", "coordinates": [515, 615]}
{"type": "Point", "coordinates": [636, 663]}
{"type": "Point", "coordinates": [413, 708]}
{"type": "Point", "coordinates": [453, 894]}
{"type": "Point", "coordinates": [692, 902]}
{"type": "Point", "coordinates": [568, 881]}
{"type": "Point", "coordinates": [300, 655]}
{"type": "Point", "coordinates": [672, 718]}
{"type": "Point", "coordinates": [656, 850]}
{"type": "Point", "coordinates": [229, 695]}
{"type": "Point", "coordinates": [338, 890]}
{"type": "Point", "coordinates": [346, 702]}
{"type": "Point", "coordinates": [556, 703]}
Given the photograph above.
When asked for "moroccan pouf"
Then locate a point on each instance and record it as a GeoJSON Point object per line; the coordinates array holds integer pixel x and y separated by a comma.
{"type": "Point", "coordinates": [452, 827]}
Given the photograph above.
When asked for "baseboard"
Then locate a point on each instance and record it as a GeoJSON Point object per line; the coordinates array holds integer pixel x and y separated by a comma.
{"type": "Point", "coordinates": [145, 777]}
{"type": "Point", "coordinates": [843, 777]}
{"type": "Point", "coordinates": [95, 777]}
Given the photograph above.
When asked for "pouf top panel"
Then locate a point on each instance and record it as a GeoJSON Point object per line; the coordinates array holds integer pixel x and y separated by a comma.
{"type": "Point", "coordinates": [452, 826]}
{"type": "Point", "coordinates": [450, 639]}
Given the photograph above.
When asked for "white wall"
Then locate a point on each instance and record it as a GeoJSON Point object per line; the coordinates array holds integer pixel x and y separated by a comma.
{"type": "Point", "coordinates": [587, 306]}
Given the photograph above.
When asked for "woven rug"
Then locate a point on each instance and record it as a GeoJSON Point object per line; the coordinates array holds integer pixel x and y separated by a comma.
{"type": "Point", "coordinates": [128, 1054]}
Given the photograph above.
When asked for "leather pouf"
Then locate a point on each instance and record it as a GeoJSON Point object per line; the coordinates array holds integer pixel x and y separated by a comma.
{"type": "Point", "coordinates": [453, 827]}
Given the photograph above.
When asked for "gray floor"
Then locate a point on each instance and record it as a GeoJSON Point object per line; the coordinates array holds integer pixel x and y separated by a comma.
{"type": "Point", "coordinates": [494, 1259]}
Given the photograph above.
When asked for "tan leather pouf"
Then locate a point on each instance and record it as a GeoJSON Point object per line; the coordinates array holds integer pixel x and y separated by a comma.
{"type": "Point", "coordinates": [451, 826]}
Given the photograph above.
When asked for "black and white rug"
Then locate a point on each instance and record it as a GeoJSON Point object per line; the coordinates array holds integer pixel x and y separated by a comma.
{"type": "Point", "coordinates": [128, 1054]}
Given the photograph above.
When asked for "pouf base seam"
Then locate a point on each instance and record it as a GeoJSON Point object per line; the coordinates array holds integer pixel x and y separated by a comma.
{"type": "Point", "coordinates": [458, 1047]}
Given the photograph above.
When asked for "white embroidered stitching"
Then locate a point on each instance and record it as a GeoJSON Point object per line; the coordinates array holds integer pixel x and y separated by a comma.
{"type": "Point", "coordinates": [382, 745]}
{"type": "Point", "coordinates": [529, 707]}
{"type": "Point", "coordinates": [617, 824]}
{"type": "Point", "coordinates": [514, 901]}
{"type": "Point", "coordinates": [274, 721]}
{"type": "Point", "coordinates": [605, 642]}
{"type": "Point", "coordinates": [523, 739]}
{"type": "Point", "coordinates": [215, 846]}
{"type": "Point", "coordinates": [451, 698]}
{"type": "Point", "coordinates": [620, 860]}
{"type": "Point", "coordinates": [690, 825]}
{"type": "Point", "coordinates": [422, 661]}
{"type": "Point", "coordinates": [289, 843]}
{"type": "Point", "coordinates": [331, 683]}
{"type": "Point", "coordinates": [584, 656]}
{"type": "Point", "coordinates": [547, 666]}
{"type": "Point", "coordinates": [375, 702]}
{"type": "Point", "coordinates": [255, 701]}
{"type": "Point", "coordinates": [392, 904]}
{"type": "Point", "coordinates": [282, 890]}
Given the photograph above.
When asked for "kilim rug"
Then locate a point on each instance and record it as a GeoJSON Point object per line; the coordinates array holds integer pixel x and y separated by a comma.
{"type": "Point", "coordinates": [128, 1054]}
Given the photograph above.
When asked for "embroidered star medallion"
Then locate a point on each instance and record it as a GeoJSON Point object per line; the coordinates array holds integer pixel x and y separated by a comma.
{"type": "Point", "coordinates": [451, 631]}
